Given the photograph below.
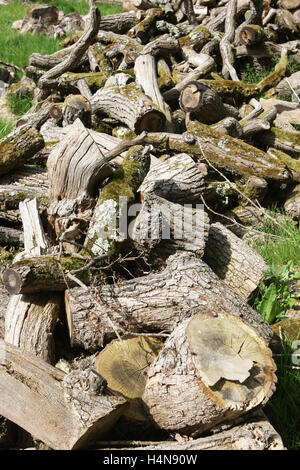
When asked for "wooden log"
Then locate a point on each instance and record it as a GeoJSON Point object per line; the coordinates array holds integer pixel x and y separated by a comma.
{"type": "Point", "coordinates": [18, 147]}
{"type": "Point", "coordinates": [290, 4]}
{"type": "Point", "coordinates": [78, 50]}
{"type": "Point", "coordinates": [225, 43]}
{"type": "Point", "coordinates": [4, 298]}
{"type": "Point", "coordinates": [76, 107]}
{"type": "Point", "coordinates": [238, 265]}
{"type": "Point", "coordinates": [177, 179]}
{"type": "Point", "coordinates": [62, 410]}
{"type": "Point", "coordinates": [146, 79]}
{"type": "Point", "coordinates": [11, 236]}
{"type": "Point", "coordinates": [204, 104]}
{"type": "Point", "coordinates": [226, 369]}
{"type": "Point", "coordinates": [35, 242]}
{"type": "Point", "coordinates": [106, 230]}
{"type": "Point", "coordinates": [143, 30]}
{"type": "Point", "coordinates": [286, 141]}
{"type": "Point", "coordinates": [292, 203]}
{"type": "Point", "coordinates": [251, 35]}
{"type": "Point", "coordinates": [242, 436]}
{"type": "Point", "coordinates": [163, 45]}
{"type": "Point", "coordinates": [97, 59]}
{"type": "Point", "coordinates": [119, 23]}
{"type": "Point", "coordinates": [229, 126]}
{"type": "Point", "coordinates": [189, 11]}
{"type": "Point", "coordinates": [44, 13]}
{"type": "Point", "coordinates": [129, 105]}
{"type": "Point", "coordinates": [177, 227]}
{"type": "Point", "coordinates": [154, 303]}
{"type": "Point", "coordinates": [142, 4]}
{"type": "Point", "coordinates": [84, 89]}
{"type": "Point", "coordinates": [30, 321]}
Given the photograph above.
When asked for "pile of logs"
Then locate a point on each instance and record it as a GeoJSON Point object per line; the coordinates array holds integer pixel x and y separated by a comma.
{"type": "Point", "coordinates": [125, 297]}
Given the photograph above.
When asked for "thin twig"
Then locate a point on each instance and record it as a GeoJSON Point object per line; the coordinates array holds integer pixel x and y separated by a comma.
{"type": "Point", "coordinates": [288, 82]}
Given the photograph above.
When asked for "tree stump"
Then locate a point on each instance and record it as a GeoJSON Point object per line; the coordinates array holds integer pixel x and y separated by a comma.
{"type": "Point", "coordinates": [76, 106]}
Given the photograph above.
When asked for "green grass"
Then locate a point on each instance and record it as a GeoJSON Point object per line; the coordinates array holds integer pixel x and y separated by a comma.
{"type": "Point", "coordinates": [5, 127]}
{"type": "Point", "coordinates": [19, 105]}
{"type": "Point", "coordinates": [283, 407]}
{"type": "Point", "coordinates": [250, 75]}
{"type": "Point", "coordinates": [282, 248]}
{"type": "Point", "coordinates": [16, 48]}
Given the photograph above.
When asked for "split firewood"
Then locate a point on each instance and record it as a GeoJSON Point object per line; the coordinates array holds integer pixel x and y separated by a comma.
{"type": "Point", "coordinates": [129, 105]}
{"type": "Point", "coordinates": [251, 35]}
{"type": "Point", "coordinates": [240, 375]}
{"type": "Point", "coordinates": [4, 298]}
{"type": "Point", "coordinates": [238, 265]}
{"type": "Point", "coordinates": [65, 411]}
{"type": "Point", "coordinates": [154, 303]}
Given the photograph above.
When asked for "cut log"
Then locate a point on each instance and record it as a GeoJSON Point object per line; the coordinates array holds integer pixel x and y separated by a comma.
{"type": "Point", "coordinates": [154, 303]}
{"type": "Point", "coordinates": [251, 35]}
{"type": "Point", "coordinates": [41, 273]}
{"type": "Point", "coordinates": [123, 364]}
{"type": "Point", "coordinates": [44, 13]}
{"type": "Point", "coordinates": [107, 228]}
{"type": "Point", "coordinates": [178, 227]}
{"type": "Point", "coordinates": [17, 148]}
{"type": "Point", "coordinates": [129, 105]}
{"type": "Point", "coordinates": [178, 179]}
{"type": "Point", "coordinates": [63, 411]}
{"type": "Point", "coordinates": [76, 107]}
{"type": "Point", "coordinates": [30, 321]}
{"type": "Point", "coordinates": [211, 370]}
{"type": "Point", "coordinates": [204, 104]}
{"type": "Point", "coordinates": [35, 242]}
{"type": "Point", "coordinates": [238, 265]}
{"type": "Point", "coordinates": [290, 4]}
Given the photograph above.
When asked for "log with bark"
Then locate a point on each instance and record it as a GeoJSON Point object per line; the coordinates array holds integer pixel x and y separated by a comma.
{"type": "Point", "coordinates": [65, 411]}
{"type": "Point", "coordinates": [211, 370]}
{"type": "Point", "coordinates": [154, 303]}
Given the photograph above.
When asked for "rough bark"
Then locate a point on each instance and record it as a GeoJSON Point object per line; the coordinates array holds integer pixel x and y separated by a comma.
{"type": "Point", "coordinates": [62, 410]}
{"type": "Point", "coordinates": [119, 23]}
{"type": "Point", "coordinates": [255, 433]}
{"type": "Point", "coordinates": [153, 303]}
{"type": "Point", "coordinates": [177, 179]}
{"type": "Point", "coordinates": [234, 261]}
{"type": "Point", "coordinates": [211, 370]}
{"type": "Point", "coordinates": [4, 298]}
{"type": "Point", "coordinates": [177, 227]}
{"type": "Point", "coordinates": [129, 105]}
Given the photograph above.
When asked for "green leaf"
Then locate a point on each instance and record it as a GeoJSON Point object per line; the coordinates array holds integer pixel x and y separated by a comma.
{"type": "Point", "coordinates": [268, 306]}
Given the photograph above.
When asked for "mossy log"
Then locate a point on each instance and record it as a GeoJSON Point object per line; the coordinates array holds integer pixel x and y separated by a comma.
{"type": "Point", "coordinates": [94, 80]}
{"type": "Point", "coordinates": [30, 321]}
{"type": "Point", "coordinates": [97, 59]}
{"type": "Point", "coordinates": [129, 105]}
{"type": "Point", "coordinates": [145, 28]}
{"type": "Point", "coordinates": [292, 203]}
{"type": "Point", "coordinates": [224, 152]}
{"type": "Point", "coordinates": [65, 411]}
{"type": "Point", "coordinates": [76, 107]}
{"type": "Point", "coordinates": [11, 236]}
{"type": "Point", "coordinates": [204, 104]}
{"type": "Point", "coordinates": [176, 226]}
{"type": "Point", "coordinates": [41, 273]}
{"type": "Point", "coordinates": [251, 35]}
{"type": "Point", "coordinates": [238, 265]}
{"type": "Point", "coordinates": [177, 179]}
{"type": "Point", "coordinates": [292, 164]}
{"type": "Point", "coordinates": [106, 229]}
{"type": "Point", "coordinates": [212, 369]}
{"type": "Point", "coordinates": [197, 38]}
{"type": "Point", "coordinates": [154, 303]}
{"type": "Point", "coordinates": [18, 147]}
{"type": "Point", "coordinates": [229, 126]}
{"type": "Point", "coordinates": [280, 139]}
